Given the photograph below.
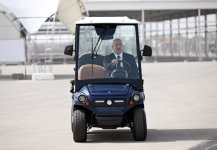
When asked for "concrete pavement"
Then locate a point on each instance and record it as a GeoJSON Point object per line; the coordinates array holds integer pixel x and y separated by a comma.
{"type": "Point", "coordinates": [181, 109]}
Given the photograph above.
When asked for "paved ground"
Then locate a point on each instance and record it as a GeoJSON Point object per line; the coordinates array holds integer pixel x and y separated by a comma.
{"type": "Point", "coordinates": [181, 107]}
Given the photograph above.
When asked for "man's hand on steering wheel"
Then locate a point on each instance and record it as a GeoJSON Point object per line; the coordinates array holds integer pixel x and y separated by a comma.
{"type": "Point", "coordinates": [114, 62]}
{"type": "Point", "coordinates": [125, 63]}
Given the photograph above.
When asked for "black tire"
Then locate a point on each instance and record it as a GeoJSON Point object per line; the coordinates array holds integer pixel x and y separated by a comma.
{"type": "Point", "coordinates": [139, 128]}
{"type": "Point", "coordinates": [72, 119]}
{"type": "Point", "coordinates": [79, 126]}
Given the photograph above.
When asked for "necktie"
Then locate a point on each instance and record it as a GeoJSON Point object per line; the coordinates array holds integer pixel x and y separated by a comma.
{"type": "Point", "coordinates": [118, 57]}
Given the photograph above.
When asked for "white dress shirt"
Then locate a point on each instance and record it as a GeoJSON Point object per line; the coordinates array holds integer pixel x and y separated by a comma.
{"type": "Point", "coordinates": [121, 58]}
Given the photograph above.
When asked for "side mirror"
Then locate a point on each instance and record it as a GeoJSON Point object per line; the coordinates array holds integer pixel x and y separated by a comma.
{"type": "Point", "coordinates": [69, 50]}
{"type": "Point", "coordinates": [147, 51]}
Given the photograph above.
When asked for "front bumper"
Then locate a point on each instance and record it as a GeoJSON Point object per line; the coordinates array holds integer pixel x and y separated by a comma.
{"type": "Point", "coordinates": [116, 121]}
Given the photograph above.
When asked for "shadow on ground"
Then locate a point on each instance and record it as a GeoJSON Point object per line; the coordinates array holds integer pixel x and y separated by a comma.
{"type": "Point", "coordinates": [154, 135]}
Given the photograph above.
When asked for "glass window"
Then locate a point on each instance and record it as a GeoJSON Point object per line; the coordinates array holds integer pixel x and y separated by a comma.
{"type": "Point", "coordinates": [98, 54]}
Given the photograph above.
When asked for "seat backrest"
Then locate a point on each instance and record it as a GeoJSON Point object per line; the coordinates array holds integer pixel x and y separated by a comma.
{"type": "Point", "coordinates": [91, 71]}
{"type": "Point", "coordinates": [87, 59]}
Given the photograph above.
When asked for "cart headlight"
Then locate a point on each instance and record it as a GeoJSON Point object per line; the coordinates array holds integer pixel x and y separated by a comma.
{"type": "Point", "coordinates": [82, 98]}
{"type": "Point", "coordinates": [136, 96]}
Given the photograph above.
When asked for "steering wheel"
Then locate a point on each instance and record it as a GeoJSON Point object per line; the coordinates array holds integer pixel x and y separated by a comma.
{"type": "Point", "coordinates": [120, 72]}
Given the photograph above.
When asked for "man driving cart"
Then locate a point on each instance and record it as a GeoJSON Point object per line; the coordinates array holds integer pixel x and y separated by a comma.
{"type": "Point", "coordinates": [123, 61]}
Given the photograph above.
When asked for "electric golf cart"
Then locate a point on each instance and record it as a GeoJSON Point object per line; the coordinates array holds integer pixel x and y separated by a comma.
{"type": "Point", "coordinates": [101, 98]}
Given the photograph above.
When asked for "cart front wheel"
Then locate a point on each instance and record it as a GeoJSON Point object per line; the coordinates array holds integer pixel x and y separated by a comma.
{"type": "Point", "coordinates": [79, 126]}
{"type": "Point", "coordinates": [139, 128]}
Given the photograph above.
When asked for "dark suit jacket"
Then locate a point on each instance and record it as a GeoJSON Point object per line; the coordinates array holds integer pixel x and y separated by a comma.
{"type": "Point", "coordinates": [133, 73]}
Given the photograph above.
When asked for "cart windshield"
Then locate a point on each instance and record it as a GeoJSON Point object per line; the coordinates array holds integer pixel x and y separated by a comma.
{"type": "Point", "coordinates": [107, 52]}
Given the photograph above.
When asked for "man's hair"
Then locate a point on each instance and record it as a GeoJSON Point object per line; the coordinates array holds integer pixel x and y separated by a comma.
{"type": "Point", "coordinates": [117, 39]}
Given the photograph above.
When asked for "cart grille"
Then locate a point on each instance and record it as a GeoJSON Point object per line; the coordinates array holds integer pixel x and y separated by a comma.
{"type": "Point", "coordinates": [109, 102]}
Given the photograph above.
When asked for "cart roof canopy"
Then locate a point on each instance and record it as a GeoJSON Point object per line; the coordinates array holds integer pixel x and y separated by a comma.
{"type": "Point", "coordinates": [107, 20]}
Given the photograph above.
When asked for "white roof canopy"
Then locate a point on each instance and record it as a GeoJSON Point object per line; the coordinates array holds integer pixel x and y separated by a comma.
{"type": "Point", "coordinates": [110, 5]}
{"type": "Point", "coordinates": [31, 13]}
{"type": "Point", "coordinates": [7, 29]}
{"type": "Point", "coordinates": [121, 20]}
{"type": "Point", "coordinates": [69, 12]}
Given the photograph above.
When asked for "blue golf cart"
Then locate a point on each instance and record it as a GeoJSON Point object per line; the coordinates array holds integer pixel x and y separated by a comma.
{"type": "Point", "coordinates": [101, 98]}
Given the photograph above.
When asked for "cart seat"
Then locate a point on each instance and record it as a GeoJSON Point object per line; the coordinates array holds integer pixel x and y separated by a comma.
{"type": "Point", "coordinates": [91, 71]}
{"type": "Point", "coordinates": [87, 59]}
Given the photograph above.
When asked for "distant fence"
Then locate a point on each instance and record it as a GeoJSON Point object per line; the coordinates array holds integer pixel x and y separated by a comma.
{"type": "Point", "coordinates": [183, 37]}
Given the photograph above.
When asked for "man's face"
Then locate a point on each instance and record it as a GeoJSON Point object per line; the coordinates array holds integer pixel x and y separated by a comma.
{"type": "Point", "coordinates": [117, 47]}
